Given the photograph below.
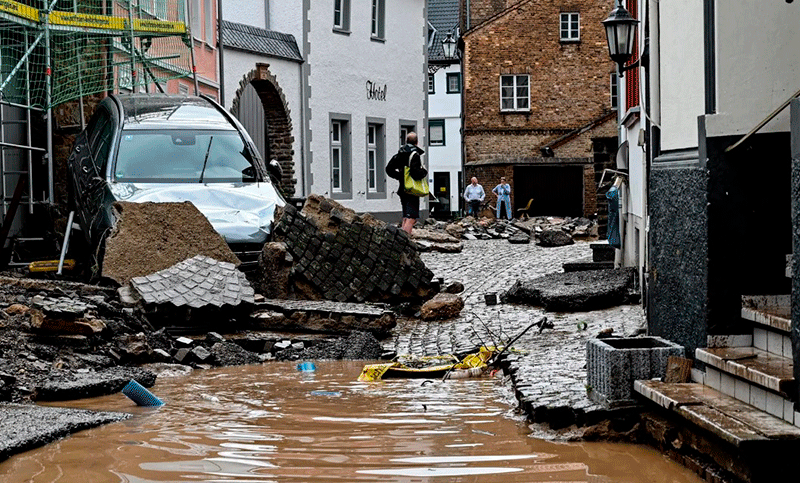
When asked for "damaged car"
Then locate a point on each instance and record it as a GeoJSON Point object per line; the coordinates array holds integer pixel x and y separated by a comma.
{"type": "Point", "coordinates": [171, 148]}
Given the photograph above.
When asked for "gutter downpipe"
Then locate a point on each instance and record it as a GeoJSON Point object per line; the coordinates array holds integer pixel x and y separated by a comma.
{"type": "Point", "coordinates": [221, 54]}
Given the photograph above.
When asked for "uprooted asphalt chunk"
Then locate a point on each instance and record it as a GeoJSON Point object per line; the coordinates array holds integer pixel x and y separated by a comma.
{"type": "Point", "coordinates": [575, 291]}
{"type": "Point", "coordinates": [339, 255]}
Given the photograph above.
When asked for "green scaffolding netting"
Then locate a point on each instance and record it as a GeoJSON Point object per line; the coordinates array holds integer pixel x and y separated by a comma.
{"type": "Point", "coordinates": [88, 47]}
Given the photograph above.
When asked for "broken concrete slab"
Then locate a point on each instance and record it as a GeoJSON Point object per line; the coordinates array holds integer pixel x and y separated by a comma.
{"type": "Point", "coordinates": [323, 317]}
{"type": "Point", "coordinates": [197, 282]}
{"type": "Point", "coordinates": [27, 426]}
{"type": "Point", "coordinates": [575, 291]}
{"type": "Point", "coordinates": [149, 237]}
{"type": "Point", "coordinates": [442, 306]}
{"type": "Point", "coordinates": [345, 257]}
{"type": "Point", "coordinates": [554, 238]}
{"type": "Point", "coordinates": [274, 268]}
{"type": "Point", "coordinates": [78, 385]}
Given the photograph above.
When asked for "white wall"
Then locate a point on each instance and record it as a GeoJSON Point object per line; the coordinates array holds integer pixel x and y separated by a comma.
{"type": "Point", "coordinates": [751, 84]}
{"type": "Point", "coordinates": [248, 12]}
{"type": "Point", "coordinates": [341, 65]}
{"type": "Point", "coordinates": [681, 69]}
{"type": "Point", "coordinates": [447, 158]}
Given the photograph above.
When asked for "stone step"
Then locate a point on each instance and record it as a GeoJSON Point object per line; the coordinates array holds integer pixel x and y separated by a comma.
{"type": "Point", "coordinates": [755, 366]}
{"type": "Point", "coordinates": [586, 264]}
{"type": "Point", "coordinates": [602, 252]}
{"type": "Point", "coordinates": [740, 424]}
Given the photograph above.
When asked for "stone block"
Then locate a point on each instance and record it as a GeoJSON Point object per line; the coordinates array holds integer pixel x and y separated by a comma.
{"type": "Point", "coordinates": [613, 364]}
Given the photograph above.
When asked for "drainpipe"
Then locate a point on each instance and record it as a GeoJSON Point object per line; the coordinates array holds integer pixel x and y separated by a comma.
{"type": "Point", "coordinates": [303, 101]}
{"type": "Point", "coordinates": [221, 54]}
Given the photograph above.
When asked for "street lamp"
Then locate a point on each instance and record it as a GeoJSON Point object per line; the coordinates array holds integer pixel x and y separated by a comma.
{"type": "Point", "coordinates": [620, 32]}
{"type": "Point", "coordinates": [449, 46]}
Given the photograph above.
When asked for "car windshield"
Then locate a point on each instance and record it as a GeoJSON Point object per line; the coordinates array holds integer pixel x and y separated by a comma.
{"type": "Point", "coordinates": [182, 156]}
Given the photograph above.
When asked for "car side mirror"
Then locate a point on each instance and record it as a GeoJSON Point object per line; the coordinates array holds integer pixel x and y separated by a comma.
{"type": "Point", "coordinates": [275, 170]}
{"type": "Point", "coordinates": [249, 173]}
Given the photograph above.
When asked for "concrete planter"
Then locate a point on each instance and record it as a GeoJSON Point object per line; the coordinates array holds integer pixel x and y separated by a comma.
{"type": "Point", "coordinates": [613, 364]}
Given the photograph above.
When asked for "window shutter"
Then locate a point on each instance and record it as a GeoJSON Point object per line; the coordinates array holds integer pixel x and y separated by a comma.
{"type": "Point", "coordinates": [346, 14]}
{"type": "Point", "coordinates": [632, 76]}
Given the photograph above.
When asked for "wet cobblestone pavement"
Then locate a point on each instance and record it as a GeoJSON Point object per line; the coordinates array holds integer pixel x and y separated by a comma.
{"type": "Point", "coordinates": [550, 371]}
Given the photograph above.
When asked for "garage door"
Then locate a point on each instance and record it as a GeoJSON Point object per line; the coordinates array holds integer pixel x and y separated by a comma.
{"type": "Point", "coordinates": [556, 190]}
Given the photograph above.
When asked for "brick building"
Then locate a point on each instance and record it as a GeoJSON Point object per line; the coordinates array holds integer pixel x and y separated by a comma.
{"type": "Point", "coordinates": [539, 101]}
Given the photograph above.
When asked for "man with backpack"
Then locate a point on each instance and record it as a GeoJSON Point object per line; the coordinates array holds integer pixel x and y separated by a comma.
{"type": "Point", "coordinates": [408, 155]}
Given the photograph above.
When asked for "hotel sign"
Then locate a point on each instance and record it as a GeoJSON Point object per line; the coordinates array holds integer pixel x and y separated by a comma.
{"type": "Point", "coordinates": [376, 92]}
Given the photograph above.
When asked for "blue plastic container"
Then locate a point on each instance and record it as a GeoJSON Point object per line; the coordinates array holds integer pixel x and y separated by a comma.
{"type": "Point", "coordinates": [306, 367]}
{"type": "Point", "coordinates": [141, 396]}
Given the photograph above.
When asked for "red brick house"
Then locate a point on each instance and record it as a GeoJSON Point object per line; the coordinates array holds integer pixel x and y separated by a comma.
{"type": "Point", "coordinates": [539, 101]}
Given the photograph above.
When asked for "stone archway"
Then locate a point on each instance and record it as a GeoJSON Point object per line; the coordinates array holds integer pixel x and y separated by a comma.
{"type": "Point", "coordinates": [278, 122]}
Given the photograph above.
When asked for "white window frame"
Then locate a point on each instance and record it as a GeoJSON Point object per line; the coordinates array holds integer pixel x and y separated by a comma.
{"type": "Point", "coordinates": [337, 156]}
{"type": "Point", "coordinates": [378, 23]}
{"type": "Point", "coordinates": [570, 26]}
{"type": "Point", "coordinates": [431, 84]}
{"type": "Point", "coordinates": [431, 34]}
{"type": "Point", "coordinates": [208, 20]}
{"type": "Point", "coordinates": [432, 124]}
{"type": "Point", "coordinates": [515, 97]}
{"type": "Point", "coordinates": [372, 157]}
{"type": "Point", "coordinates": [614, 90]}
{"type": "Point", "coordinates": [342, 8]}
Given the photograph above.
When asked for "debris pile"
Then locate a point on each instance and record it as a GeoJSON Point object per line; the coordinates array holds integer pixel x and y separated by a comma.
{"type": "Point", "coordinates": [341, 256]}
{"type": "Point", "coordinates": [543, 229]}
{"type": "Point", "coordinates": [149, 237]}
{"type": "Point", "coordinates": [323, 317]}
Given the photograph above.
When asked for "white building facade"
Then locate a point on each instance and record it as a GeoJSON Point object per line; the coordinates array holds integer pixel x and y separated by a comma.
{"type": "Point", "coordinates": [359, 88]}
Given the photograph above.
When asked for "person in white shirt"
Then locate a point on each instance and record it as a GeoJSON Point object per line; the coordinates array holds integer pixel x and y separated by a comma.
{"type": "Point", "coordinates": [474, 196]}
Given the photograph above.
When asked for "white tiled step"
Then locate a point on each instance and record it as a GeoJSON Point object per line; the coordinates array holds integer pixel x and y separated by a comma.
{"type": "Point", "coordinates": [773, 311]}
{"type": "Point", "coordinates": [732, 420]}
{"type": "Point", "coordinates": [759, 367]}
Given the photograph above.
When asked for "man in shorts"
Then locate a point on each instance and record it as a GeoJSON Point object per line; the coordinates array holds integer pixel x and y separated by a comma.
{"type": "Point", "coordinates": [408, 155]}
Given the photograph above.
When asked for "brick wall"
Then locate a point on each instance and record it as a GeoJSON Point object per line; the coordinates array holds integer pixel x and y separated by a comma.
{"type": "Point", "coordinates": [569, 82]}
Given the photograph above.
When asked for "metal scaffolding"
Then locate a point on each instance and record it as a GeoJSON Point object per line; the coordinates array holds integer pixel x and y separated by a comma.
{"type": "Point", "coordinates": [54, 52]}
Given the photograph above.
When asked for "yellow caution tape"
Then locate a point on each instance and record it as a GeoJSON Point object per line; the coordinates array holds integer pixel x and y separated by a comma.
{"type": "Point", "coordinates": [19, 9]}
{"type": "Point", "coordinates": [87, 20]}
{"type": "Point", "coordinates": [50, 265]}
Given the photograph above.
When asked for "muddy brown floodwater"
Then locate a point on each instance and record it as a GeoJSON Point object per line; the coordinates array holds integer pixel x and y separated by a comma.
{"type": "Point", "coordinates": [273, 423]}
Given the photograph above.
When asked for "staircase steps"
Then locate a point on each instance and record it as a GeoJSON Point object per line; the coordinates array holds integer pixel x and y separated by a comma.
{"type": "Point", "coordinates": [732, 420]}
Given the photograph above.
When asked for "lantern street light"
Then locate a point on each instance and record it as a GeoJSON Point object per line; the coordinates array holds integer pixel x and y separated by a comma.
{"type": "Point", "coordinates": [449, 46]}
{"type": "Point", "coordinates": [620, 32]}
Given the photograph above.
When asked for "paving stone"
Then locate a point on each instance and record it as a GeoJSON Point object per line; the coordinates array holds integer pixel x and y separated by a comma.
{"type": "Point", "coordinates": [552, 365]}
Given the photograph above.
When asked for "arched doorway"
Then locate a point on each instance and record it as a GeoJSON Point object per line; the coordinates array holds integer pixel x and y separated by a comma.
{"type": "Point", "coordinates": [261, 107]}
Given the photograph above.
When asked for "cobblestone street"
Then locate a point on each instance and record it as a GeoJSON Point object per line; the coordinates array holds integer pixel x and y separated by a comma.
{"type": "Point", "coordinates": [551, 370]}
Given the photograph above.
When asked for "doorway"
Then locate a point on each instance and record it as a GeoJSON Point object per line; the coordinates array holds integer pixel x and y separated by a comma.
{"type": "Point", "coordinates": [555, 190]}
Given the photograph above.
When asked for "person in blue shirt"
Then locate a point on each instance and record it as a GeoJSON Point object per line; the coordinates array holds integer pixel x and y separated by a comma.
{"type": "Point", "coordinates": [503, 192]}
{"type": "Point", "coordinates": [474, 196]}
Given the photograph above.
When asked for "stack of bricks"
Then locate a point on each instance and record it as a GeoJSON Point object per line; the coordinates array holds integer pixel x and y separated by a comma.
{"type": "Point", "coordinates": [353, 261]}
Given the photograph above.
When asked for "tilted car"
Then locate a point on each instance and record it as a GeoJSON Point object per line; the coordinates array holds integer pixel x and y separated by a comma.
{"type": "Point", "coordinates": [168, 148]}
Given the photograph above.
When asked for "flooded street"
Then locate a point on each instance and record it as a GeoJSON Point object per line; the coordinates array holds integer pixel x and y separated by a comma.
{"type": "Point", "coordinates": [274, 423]}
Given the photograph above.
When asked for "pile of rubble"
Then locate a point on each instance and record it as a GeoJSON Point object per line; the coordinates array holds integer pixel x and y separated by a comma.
{"type": "Point", "coordinates": [338, 255]}
{"type": "Point", "coordinates": [546, 231]}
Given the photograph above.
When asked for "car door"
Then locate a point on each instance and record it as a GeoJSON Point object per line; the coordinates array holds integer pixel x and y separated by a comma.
{"type": "Point", "coordinates": [88, 176]}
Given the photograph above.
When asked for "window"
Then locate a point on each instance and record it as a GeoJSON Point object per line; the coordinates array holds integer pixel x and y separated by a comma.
{"type": "Point", "coordinates": [404, 130]}
{"type": "Point", "coordinates": [336, 156]}
{"type": "Point", "coordinates": [431, 34]}
{"type": "Point", "coordinates": [195, 24]}
{"type": "Point", "coordinates": [431, 84]}
{"type": "Point", "coordinates": [378, 14]}
{"type": "Point", "coordinates": [208, 10]}
{"type": "Point", "coordinates": [614, 91]}
{"type": "Point", "coordinates": [340, 156]}
{"type": "Point", "coordinates": [570, 26]}
{"type": "Point", "coordinates": [436, 132]}
{"type": "Point", "coordinates": [376, 159]}
{"type": "Point", "coordinates": [453, 83]}
{"type": "Point", "coordinates": [341, 15]}
{"type": "Point", "coordinates": [183, 89]}
{"type": "Point", "coordinates": [514, 93]}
